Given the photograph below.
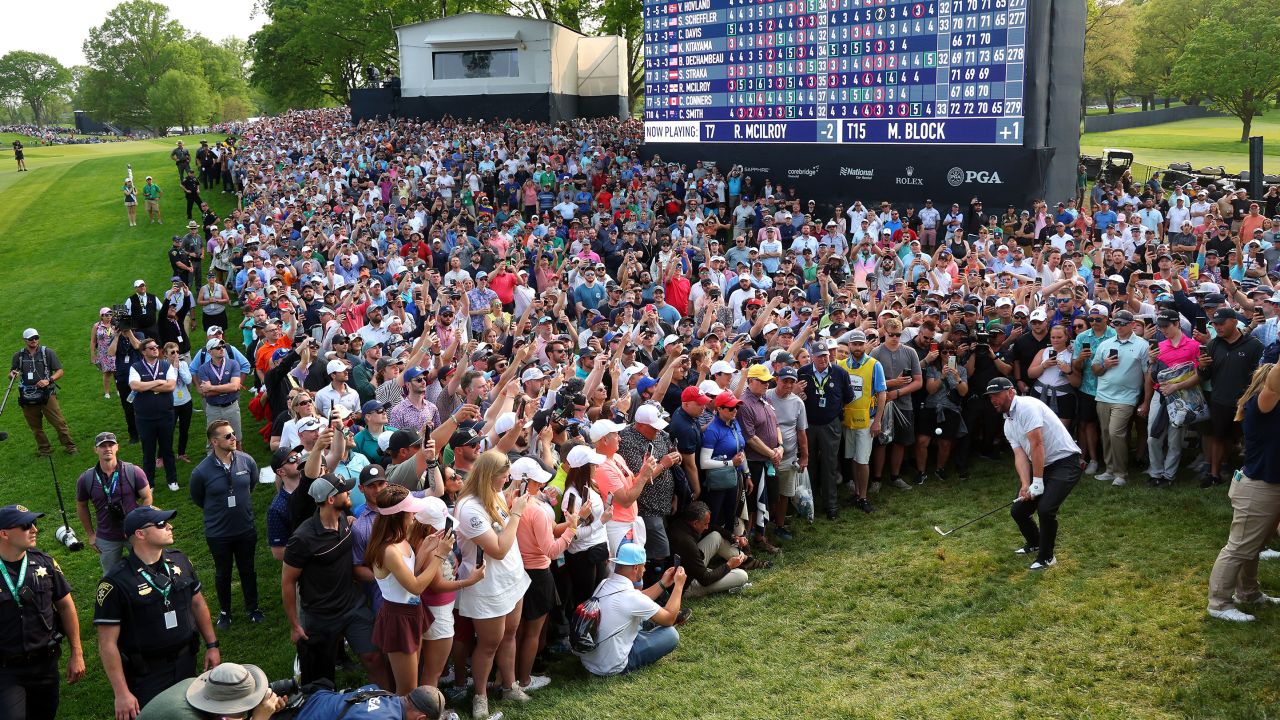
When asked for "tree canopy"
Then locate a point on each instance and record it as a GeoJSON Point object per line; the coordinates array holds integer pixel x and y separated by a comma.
{"type": "Point", "coordinates": [33, 78]}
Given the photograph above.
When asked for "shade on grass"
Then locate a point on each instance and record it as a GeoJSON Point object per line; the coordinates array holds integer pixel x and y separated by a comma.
{"type": "Point", "coordinates": [1203, 142]}
{"type": "Point", "coordinates": [871, 616]}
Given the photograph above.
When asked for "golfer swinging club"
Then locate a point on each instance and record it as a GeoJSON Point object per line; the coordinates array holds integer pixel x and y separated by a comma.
{"type": "Point", "coordinates": [1048, 463]}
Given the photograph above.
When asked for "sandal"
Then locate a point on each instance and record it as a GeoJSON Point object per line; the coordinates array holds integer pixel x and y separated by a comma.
{"type": "Point", "coordinates": [753, 563]}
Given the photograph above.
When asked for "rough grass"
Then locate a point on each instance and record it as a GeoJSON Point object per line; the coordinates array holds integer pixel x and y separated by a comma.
{"type": "Point", "coordinates": [871, 617]}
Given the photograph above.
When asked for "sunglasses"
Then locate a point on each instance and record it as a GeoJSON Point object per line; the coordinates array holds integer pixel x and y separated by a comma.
{"type": "Point", "coordinates": [229, 436]}
{"type": "Point", "coordinates": [27, 526]}
{"type": "Point", "coordinates": [1120, 323]}
{"type": "Point", "coordinates": [304, 402]}
{"type": "Point", "coordinates": [159, 526]}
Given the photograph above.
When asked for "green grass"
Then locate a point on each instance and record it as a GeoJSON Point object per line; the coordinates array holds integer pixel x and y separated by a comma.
{"type": "Point", "coordinates": [1203, 142]}
{"type": "Point", "coordinates": [868, 617]}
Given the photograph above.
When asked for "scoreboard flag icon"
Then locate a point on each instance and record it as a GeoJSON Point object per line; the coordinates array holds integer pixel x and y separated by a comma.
{"type": "Point", "coordinates": [673, 74]}
{"type": "Point", "coordinates": [673, 101]}
{"type": "Point", "coordinates": [673, 22]}
{"type": "Point", "coordinates": [673, 48]}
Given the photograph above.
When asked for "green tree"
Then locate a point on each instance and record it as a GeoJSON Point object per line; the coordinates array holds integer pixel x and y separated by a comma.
{"type": "Point", "coordinates": [35, 78]}
{"type": "Point", "coordinates": [181, 99]}
{"type": "Point", "coordinates": [626, 18]}
{"type": "Point", "coordinates": [129, 52]}
{"type": "Point", "coordinates": [1108, 51]}
{"type": "Point", "coordinates": [1231, 59]}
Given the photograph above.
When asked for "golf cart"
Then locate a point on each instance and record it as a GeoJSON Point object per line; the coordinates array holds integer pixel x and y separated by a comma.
{"type": "Point", "coordinates": [1109, 167]}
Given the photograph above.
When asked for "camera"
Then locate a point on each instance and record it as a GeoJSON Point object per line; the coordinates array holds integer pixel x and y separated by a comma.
{"type": "Point", "coordinates": [67, 537]}
{"type": "Point", "coordinates": [115, 510]}
{"type": "Point", "coordinates": [119, 317]}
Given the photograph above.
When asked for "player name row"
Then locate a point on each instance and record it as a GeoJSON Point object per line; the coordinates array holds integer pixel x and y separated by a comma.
{"type": "Point", "coordinates": [785, 76]}
{"type": "Point", "coordinates": [954, 131]}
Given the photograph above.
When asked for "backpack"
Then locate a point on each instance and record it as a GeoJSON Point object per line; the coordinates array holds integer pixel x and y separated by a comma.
{"type": "Point", "coordinates": [584, 625]}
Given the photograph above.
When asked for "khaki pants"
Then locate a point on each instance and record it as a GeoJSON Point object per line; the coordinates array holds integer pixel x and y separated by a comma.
{"type": "Point", "coordinates": [1114, 419]}
{"type": "Point", "coordinates": [714, 545]}
{"type": "Point", "coordinates": [1235, 572]}
{"type": "Point", "coordinates": [36, 415]}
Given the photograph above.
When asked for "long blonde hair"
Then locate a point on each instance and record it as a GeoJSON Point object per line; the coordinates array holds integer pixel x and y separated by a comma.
{"type": "Point", "coordinates": [1255, 386]}
{"type": "Point", "coordinates": [479, 484]}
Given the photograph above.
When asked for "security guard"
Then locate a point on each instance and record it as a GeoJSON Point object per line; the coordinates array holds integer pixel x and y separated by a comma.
{"type": "Point", "coordinates": [151, 615]}
{"type": "Point", "coordinates": [30, 634]}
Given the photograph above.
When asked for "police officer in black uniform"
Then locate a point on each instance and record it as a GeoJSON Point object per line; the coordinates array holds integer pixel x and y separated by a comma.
{"type": "Point", "coordinates": [36, 611]}
{"type": "Point", "coordinates": [151, 615]}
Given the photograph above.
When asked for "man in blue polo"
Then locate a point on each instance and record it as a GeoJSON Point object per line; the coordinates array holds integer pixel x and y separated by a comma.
{"type": "Point", "coordinates": [1120, 364]}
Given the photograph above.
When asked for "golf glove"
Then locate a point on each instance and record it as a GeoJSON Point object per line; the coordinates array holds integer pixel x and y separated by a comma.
{"type": "Point", "coordinates": [1037, 487]}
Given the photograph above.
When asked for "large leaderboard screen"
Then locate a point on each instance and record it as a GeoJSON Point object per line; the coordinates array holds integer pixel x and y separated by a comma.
{"type": "Point", "coordinates": [835, 71]}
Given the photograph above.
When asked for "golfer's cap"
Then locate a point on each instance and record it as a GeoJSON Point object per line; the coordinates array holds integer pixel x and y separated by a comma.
{"type": "Point", "coordinates": [285, 456]}
{"type": "Point", "coordinates": [694, 394]}
{"type": "Point", "coordinates": [1167, 315]}
{"type": "Point", "coordinates": [998, 385]}
{"type": "Point", "coordinates": [603, 427]}
{"type": "Point", "coordinates": [326, 486]}
{"type": "Point", "coordinates": [650, 415]}
{"type": "Point", "coordinates": [335, 366]}
{"type": "Point", "coordinates": [527, 467]}
{"type": "Point", "coordinates": [629, 555]}
{"type": "Point", "coordinates": [30, 333]}
{"type": "Point", "coordinates": [105, 438]}
{"type": "Point", "coordinates": [133, 522]}
{"type": "Point", "coordinates": [583, 455]}
{"type": "Point", "coordinates": [759, 372]}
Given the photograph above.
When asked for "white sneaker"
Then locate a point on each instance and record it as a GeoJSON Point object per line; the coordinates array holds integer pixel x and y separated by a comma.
{"type": "Point", "coordinates": [1269, 554]}
{"type": "Point", "coordinates": [1232, 614]}
{"type": "Point", "coordinates": [173, 486]}
{"type": "Point", "coordinates": [874, 489]}
{"type": "Point", "coordinates": [1105, 476]}
{"type": "Point", "coordinates": [515, 693]}
{"type": "Point", "coordinates": [536, 682]}
{"type": "Point", "coordinates": [1039, 565]}
{"type": "Point", "coordinates": [1118, 481]}
{"type": "Point", "coordinates": [901, 484]}
{"type": "Point", "coordinates": [106, 396]}
{"type": "Point", "coordinates": [1091, 468]}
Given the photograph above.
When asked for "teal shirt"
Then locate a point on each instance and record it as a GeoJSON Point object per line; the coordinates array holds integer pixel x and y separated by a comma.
{"type": "Point", "coordinates": [1089, 385]}
{"type": "Point", "coordinates": [1122, 384]}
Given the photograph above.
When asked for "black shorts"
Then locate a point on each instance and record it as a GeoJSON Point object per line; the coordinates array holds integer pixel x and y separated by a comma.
{"type": "Point", "coordinates": [1086, 408]}
{"type": "Point", "coordinates": [927, 424]}
{"type": "Point", "coordinates": [541, 595]}
{"type": "Point", "coordinates": [1222, 422]}
{"type": "Point", "coordinates": [904, 429]}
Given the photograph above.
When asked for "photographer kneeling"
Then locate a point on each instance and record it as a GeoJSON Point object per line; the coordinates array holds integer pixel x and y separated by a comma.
{"type": "Point", "coordinates": [227, 692]}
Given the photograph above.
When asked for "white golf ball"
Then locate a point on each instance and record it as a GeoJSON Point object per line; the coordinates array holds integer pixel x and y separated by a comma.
{"type": "Point", "coordinates": [937, 431]}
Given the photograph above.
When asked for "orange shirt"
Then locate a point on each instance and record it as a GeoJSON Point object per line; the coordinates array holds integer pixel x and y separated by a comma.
{"type": "Point", "coordinates": [612, 476]}
{"type": "Point", "coordinates": [262, 360]}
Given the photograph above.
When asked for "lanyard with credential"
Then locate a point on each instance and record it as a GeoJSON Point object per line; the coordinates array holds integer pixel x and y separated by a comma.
{"type": "Point", "coordinates": [164, 592]}
{"type": "Point", "coordinates": [115, 482]}
{"type": "Point", "coordinates": [22, 578]}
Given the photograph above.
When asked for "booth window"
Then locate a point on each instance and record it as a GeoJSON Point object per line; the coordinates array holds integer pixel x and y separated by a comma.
{"type": "Point", "coordinates": [469, 64]}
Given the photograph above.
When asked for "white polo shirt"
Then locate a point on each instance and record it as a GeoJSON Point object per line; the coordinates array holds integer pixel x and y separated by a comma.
{"type": "Point", "coordinates": [1027, 414]}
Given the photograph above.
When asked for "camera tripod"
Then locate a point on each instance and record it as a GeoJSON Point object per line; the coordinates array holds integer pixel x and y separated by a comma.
{"type": "Point", "coordinates": [4, 435]}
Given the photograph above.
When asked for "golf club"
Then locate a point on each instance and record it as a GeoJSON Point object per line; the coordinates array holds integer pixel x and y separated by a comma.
{"type": "Point", "coordinates": [988, 514]}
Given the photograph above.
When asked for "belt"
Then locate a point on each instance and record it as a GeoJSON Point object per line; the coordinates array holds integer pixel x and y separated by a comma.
{"type": "Point", "coordinates": [34, 656]}
{"type": "Point", "coordinates": [167, 653]}
{"type": "Point", "coordinates": [229, 404]}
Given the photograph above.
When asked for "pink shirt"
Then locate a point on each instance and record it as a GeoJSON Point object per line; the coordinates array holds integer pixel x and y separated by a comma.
{"type": "Point", "coordinates": [611, 476]}
{"type": "Point", "coordinates": [1188, 351]}
{"type": "Point", "coordinates": [538, 544]}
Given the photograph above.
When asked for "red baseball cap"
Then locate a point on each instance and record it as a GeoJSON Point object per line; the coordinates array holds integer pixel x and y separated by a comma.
{"type": "Point", "coordinates": [692, 394]}
{"type": "Point", "coordinates": [727, 400]}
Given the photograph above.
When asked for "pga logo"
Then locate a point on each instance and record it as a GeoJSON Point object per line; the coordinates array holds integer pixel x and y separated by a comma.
{"type": "Point", "coordinates": [959, 176]}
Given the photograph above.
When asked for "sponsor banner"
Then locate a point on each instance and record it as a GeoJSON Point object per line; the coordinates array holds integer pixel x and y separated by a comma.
{"type": "Point", "coordinates": [901, 174]}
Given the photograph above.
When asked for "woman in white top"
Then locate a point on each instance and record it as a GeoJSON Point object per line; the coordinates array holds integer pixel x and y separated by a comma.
{"type": "Point", "coordinates": [587, 558]}
{"type": "Point", "coordinates": [404, 559]}
{"type": "Point", "coordinates": [487, 533]}
{"type": "Point", "coordinates": [182, 406]}
{"type": "Point", "coordinates": [1055, 379]}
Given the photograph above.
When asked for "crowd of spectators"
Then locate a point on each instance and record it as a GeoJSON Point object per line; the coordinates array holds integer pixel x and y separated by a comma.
{"type": "Point", "coordinates": [512, 373]}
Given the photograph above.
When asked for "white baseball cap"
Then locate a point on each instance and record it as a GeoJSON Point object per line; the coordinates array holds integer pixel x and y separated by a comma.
{"type": "Point", "coordinates": [528, 467]}
{"type": "Point", "coordinates": [335, 366]}
{"type": "Point", "coordinates": [650, 415]}
{"type": "Point", "coordinates": [709, 388]}
{"type": "Point", "coordinates": [30, 333]}
{"type": "Point", "coordinates": [721, 366]}
{"type": "Point", "coordinates": [603, 427]}
{"type": "Point", "coordinates": [582, 455]}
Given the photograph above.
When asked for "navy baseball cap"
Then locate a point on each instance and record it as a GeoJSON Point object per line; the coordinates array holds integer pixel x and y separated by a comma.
{"type": "Point", "coordinates": [12, 516]}
{"type": "Point", "coordinates": [787, 373]}
{"type": "Point", "coordinates": [286, 456]}
{"type": "Point", "coordinates": [145, 515]}
{"type": "Point", "coordinates": [372, 406]}
{"type": "Point", "coordinates": [998, 385]}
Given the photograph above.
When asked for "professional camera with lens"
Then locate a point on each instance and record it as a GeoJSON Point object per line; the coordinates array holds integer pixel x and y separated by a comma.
{"type": "Point", "coordinates": [67, 537]}
{"type": "Point", "coordinates": [119, 317]}
{"type": "Point", "coordinates": [115, 511]}
{"type": "Point", "coordinates": [982, 341]}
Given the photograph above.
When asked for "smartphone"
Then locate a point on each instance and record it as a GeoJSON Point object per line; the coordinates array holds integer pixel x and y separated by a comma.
{"type": "Point", "coordinates": [951, 362]}
{"type": "Point", "coordinates": [571, 505]}
{"type": "Point", "coordinates": [448, 524]}
{"type": "Point", "coordinates": [608, 501]}
{"type": "Point", "coordinates": [1052, 353]}
{"type": "Point", "coordinates": [933, 347]}
{"type": "Point", "coordinates": [1115, 352]}
{"type": "Point", "coordinates": [479, 557]}
{"type": "Point", "coordinates": [1202, 325]}
{"type": "Point", "coordinates": [675, 561]}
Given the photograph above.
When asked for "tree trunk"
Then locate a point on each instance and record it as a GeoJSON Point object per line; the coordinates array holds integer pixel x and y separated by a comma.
{"type": "Point", "coordinates": [1166, 103]}
{"type": "Point", "coordinates": [1248, 125]}
{"type": "Point", "coordinates": [1111, 102]}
